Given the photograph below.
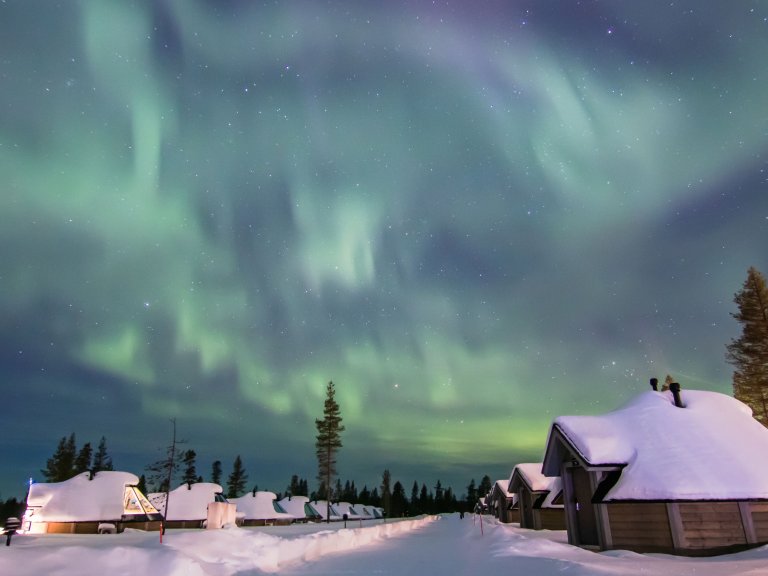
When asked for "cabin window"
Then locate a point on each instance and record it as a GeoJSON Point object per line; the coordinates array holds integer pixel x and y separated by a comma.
{"type": "Point", "coordinates": [277, 507]}
{"type": "Point", "coordinates": [131, 503]}
{"type": "Point", "coordinates": [134, 502]}
{"type": "Point", "coordinates": [219, 497]}
{"type": "Point", "coordinates": [309, 511]}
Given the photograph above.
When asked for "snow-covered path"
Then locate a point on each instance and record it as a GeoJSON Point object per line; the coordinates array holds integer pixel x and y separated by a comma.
{"type": "Point", "coordinates": [454, 547]}
{"type": "Point", "coordinates": [444, 546]}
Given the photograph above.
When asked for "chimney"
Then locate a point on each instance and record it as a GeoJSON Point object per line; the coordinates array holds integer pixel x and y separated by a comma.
{"type": "Point", "coordinates": [655, 384]}
{"type": "Point", "coordinates": [674, 387]}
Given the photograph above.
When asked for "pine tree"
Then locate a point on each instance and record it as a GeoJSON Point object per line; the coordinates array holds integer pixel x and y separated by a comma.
{"type": "Point", "coordinates": [749, 353]}
{"type": "Point", "coordinates": [61, 466]}
{"type": "Point", "coordinates": [398, 502]}
{"type": "Point", "coordinates": [237, 479]}
{"type": "Point", "coordinates": [142, 485]}
{"type": "Point", "coordinates": [101, 460]}
{"type": "Point", "coordinates": [295, 486]}
{"type": "Point", "coordinates": [471, 495]}
{"type": "Point", "coordinates": [216, 472]}
{"type": "Point", "coordinates": [485, 486]}
{"type": "Point", "coordinates": [386, 492]}
{"type": "Point", "coordinates": [83, 458]}
{"type": "Point", "coordinates": [424, 500]}
{"type": "Point", "coordinates": [188, 458]}
{"type": "Point", "coordinates": [328, 441]}
{"type": "Point", "coordinates": [414, 504]}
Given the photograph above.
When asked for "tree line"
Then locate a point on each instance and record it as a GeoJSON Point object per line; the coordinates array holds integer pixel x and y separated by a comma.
{"type": "Point", "coordinates": [68, 460]}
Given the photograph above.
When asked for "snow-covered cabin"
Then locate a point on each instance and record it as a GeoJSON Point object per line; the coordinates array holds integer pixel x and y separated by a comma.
{"type": "Point", "coordinates": [187, 504]}
{"type": "Point", "coordinates": [325, 508]}
{"type": "Point", "coordinates": [107, 501]}
{"type": "Point", "coordinates": [300, 508]}
{"type": "Point", "coordinates": [260, 508]}
{"type": "Point", "coordinates": [347, 508]}
{"type": "Point", "coordinates": [370, 512]}
{"type": "Point", "coordinates": [668, 472]}
{"type": "Point", "coordinates": [539, 498]}
{"type": "Point", "coordinates": [503, 502]}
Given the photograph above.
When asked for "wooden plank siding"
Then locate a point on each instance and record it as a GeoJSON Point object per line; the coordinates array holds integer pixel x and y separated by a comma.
{"type": "Point", "coordinates": [760, 520]}
{"type": "Point", "coordinates": [551, 518]}
{"type": "Point", "coordinates": [711, 525]}
{"type": "Point", "coordinates": [642, 527]}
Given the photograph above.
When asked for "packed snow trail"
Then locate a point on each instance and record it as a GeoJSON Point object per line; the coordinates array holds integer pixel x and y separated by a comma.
{"type": "Point", "coordinates": [457, 547]}
{"type": "Point", "coordinates": [444, 546]}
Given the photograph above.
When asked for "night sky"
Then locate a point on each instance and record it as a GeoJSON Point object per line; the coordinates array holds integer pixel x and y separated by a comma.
{"type": "Point", "coordinates": [471, 216]}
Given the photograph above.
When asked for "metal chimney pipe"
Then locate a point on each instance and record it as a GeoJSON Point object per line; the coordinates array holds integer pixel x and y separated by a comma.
{"type": "Point", "coordinates": [655, 384]}
{"type": "Point", "coordinates": [674, 387]}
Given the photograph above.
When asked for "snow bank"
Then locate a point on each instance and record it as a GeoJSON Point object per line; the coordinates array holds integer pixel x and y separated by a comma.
{"type": "Point", "coordinates": [244, 549]}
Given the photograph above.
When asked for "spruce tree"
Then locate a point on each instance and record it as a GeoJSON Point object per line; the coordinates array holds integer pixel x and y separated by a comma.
{"type": "Point", "coordinates": [83, 458]}
{"type": "Point", "coordinates": [386, 492]}
{"type": "Point", "coordinates": [188, 458]}
{"type": "Point", "coordinates": [237, 479]}
{"type": "Point", "coordinates": [414, 504]}
{"type": "Point", "coordinates": [398, 502]}
{"type": "Point", "coordinates": [61, 466]}
{"type": "Point", "coordinates": [471, 495]}
{"type": "Point", "coordinates": [294, 488]}
{"type": "Point", "coordinates": [749, 353]}
{"type": "Point", "coordinates": [328, 442]}
{"type": "Point", "coordinates": [216, 472]}
{"type": "Point", "coordinates": [102, 460]}
{"type": "Point", "coordinates": [485, 486]}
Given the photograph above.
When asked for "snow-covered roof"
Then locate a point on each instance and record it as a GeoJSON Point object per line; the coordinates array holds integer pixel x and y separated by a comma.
{"type": "Point", "coordinates": [502, 486]}
{"type": "Point", "coordinates": [347, 508]}
{"type": "Point", "coordinates": [555, 490]}
{"type": "Point", "coordinates": [260, 506]}
{"type": "Point", "coordinates": [188, 501]}
{"type": "Point", "coordinates": [81, 499]}
{"type": "Point", "coordinates": [711, 449]}
{"type": "Point", "coordinates": [295, 506]}
{"type": "Point", "coordinates": [322, 507]}
{"type": "Point", "coordinates": [531, 474]}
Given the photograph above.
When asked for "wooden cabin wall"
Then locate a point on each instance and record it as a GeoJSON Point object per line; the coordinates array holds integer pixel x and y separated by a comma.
{"type": "Point", "coordinates": [640, 527]}
{"type": "Point", "coordinates": [72, 527]}
{"type": "Point", "coordinates": [508, 516]}
{"type": "Point", "coordinates": [759, 511]}
{"type": "Point", "coordinates": [551, 518]}
{"type": "Point", "coordinates": [172, 524]}
{"type": "Point", "coordinates": [711, 525]}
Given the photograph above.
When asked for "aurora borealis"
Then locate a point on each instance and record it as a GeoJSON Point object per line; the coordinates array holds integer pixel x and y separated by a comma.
{"type": "Point", "coordinates": [471, 216]}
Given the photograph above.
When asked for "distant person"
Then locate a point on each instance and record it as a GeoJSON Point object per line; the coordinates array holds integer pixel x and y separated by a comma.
{"type": "Point", "coordinates": [11, 525]}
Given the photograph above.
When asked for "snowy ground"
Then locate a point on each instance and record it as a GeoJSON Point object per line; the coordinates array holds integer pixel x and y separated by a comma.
{"type": "Point", "coordinates": [444, 546]}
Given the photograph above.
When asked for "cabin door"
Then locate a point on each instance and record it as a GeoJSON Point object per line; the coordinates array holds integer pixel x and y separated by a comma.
{"type": "Point", "coordinates": [585, 513]}
{"type": "Point", "coordinates": [526, 509]}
